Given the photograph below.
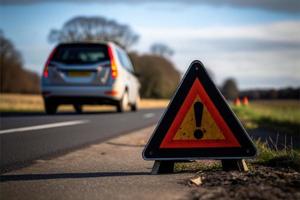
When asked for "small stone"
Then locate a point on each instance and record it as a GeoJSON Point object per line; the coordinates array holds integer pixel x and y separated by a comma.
{"type": "Point", "coordinates": [195, 181]}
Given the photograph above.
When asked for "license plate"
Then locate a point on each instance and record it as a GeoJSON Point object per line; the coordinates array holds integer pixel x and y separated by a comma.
{"type": "Point", "coordinates": [79, 74]}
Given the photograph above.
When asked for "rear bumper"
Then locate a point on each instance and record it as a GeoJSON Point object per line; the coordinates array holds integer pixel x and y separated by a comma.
{"type": "Point", "coordinates": [81, 94]}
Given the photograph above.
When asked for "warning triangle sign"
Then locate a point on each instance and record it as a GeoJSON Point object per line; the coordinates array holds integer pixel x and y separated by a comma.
{"type": "Point", "coordinates": [198, 124]}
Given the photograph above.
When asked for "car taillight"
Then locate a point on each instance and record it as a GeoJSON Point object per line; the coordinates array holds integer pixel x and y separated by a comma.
{"type": "Point", "coordinates": [111, 92]}
{"type": "Point", "coordinates": [114, 69]}
{"type": "Point", "coordinates": [46, 73]}
{"type": "Point", "coordinates": [46, 68]}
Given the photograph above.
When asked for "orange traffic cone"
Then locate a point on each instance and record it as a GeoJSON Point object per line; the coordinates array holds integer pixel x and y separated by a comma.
{"type": "Point", "coordinates": [245, 101]}
{"type": "Point", "coordinates": [237, 102]}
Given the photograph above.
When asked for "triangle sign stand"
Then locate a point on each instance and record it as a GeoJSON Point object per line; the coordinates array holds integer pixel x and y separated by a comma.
{"type": "Point", "coordinates": [198, 124]}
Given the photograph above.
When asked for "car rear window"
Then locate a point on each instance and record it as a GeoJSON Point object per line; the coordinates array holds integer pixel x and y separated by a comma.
{"type": "Point", "coordinates": [81, 54]}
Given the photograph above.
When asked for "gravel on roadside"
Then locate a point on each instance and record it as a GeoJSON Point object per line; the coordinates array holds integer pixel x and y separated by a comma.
{"type": "Point", "coordinates": [260, 182]}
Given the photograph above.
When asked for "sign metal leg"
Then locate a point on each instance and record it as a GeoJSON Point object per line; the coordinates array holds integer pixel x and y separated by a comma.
{"type": "Point", "coordinates": [163, 167]}
{"type": "Point", "coordinates": [235, 165]}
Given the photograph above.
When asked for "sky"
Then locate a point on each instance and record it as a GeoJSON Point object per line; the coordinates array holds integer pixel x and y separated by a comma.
{"type": "Point", "coordinates": [255, 42]}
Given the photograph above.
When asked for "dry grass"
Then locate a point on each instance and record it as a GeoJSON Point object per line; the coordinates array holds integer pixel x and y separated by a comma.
{"type": "Point", "coordinates": [275, 157]}
{"type": "Point", "coordinates": [277, 115]}
{"type": "Point", "coordinates": [34, 103]}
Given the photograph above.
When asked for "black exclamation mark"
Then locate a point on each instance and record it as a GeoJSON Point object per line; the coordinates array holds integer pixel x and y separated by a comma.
{"type": "Point", "coordinates": [198, 108]}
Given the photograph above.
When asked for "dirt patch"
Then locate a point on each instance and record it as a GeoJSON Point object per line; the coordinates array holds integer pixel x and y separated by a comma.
{"type": "Point", "coordinates": [259, 183]}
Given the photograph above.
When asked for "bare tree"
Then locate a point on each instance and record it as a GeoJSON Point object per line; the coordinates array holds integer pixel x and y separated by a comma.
{"type": "Point", "coordinates": [161, 50]}
{"type": "Point", "coordinates": [83, 29]}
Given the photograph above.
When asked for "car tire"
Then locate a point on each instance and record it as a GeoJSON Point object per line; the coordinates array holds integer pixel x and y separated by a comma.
{"type": "Point", "coordinates": [78, 108]}
{"type": "Point", "coordinates": [123, 104]}
{"type": "Point", "coordinates": [50, 107]}
{"type": "Point", "coordinates": [135, 105]}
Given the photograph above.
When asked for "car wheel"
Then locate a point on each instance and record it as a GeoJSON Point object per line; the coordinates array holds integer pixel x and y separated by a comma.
{"type": "Point", "coordinates": [50, 107]}
{"type": "Point", "coordinates": [78, 108]}
{"type": "Point", "coordinates": [123, 104]}
{"type": "Point", "coordinates": [135, 105]}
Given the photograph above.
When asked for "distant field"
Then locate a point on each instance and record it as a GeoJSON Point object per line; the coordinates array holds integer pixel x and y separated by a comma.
{"type": "Point", "coordinates": [283, 116]}
{"type": "Point", "coordinates": [278, 115]}
{"type": "Point", "coordinates": [34, 103]}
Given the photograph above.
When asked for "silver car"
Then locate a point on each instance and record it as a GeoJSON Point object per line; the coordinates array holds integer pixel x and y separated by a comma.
{"type": "Point", "coordinates": [89, 73]}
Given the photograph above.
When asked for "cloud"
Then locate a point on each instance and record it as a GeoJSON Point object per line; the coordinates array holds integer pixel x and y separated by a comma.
{"type": "Point", "coordinates": [270, 37]}
{"type": "Point", "coordinates": [272, 5]}
{"type": "Point", "coordinates": [272, 68]}
{"type": "Point", "coordinates": [287, 31]}
{"type": "Point", "coordinates": [257, 56]}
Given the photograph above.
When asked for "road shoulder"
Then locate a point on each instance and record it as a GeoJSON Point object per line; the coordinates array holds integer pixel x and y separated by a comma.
{"type": "Point", "coordinates": [110, 170]}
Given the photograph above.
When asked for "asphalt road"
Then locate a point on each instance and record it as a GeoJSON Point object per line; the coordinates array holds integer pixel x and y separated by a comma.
{"type": "Point", "coordinates": [26, 137]}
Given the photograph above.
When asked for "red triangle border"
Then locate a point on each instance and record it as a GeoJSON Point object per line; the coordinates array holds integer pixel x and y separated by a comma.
{"type": "Point", "coordinates": [197, 89]}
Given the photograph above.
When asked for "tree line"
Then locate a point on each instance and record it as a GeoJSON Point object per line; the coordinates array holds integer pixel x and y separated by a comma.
{"type": "Point", "coordinates": [283, 93]}
{"type": "Point", "coordinates": [13, 77]}
{"type": "Point", "coordinates": [230, 91]}
{"type": "Point", "coordinates": [157, 75]}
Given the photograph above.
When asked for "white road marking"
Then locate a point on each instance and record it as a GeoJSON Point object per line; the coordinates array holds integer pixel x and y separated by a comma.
{"type": "Point", "coordinates": [44, 126]}
{"type": "Point", "coordinates": [149, 115]}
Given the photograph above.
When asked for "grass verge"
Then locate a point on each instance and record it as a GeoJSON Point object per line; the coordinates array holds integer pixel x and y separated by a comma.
{"type": "Point", "coordinates": [281, 158]}
{"type": "Point", "coordinates": [286, 158]}
{"type": "Point", "coordinates": [279, 116]}
{"type": "Point", "coordinates": [197, 166]}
